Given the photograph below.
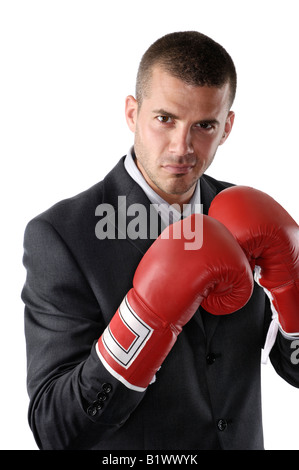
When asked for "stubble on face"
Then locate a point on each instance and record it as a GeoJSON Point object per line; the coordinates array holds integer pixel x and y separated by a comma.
{"type": "Point", "coordinates": [176, 184]}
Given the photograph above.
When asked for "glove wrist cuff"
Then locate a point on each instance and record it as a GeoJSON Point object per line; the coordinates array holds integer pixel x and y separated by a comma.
{"type": "Point", "coordinates": [133, 346]}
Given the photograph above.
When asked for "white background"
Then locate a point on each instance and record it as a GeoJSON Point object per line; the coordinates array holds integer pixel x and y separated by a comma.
{"type": "Point", "coordinates": [66, 68]}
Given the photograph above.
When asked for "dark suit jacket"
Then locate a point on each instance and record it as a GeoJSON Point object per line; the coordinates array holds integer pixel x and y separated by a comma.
{"type": "Point", "coordinates": [207, 394]}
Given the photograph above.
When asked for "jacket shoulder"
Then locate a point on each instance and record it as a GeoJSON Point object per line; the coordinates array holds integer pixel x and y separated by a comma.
{"type": "Point", "coordinates": [217, 184]}
{"type": "Point", "coordinates": [72, 207]}
{"type": "Point", "coordinates": [209, 188]}
{"type": "Point", "coordinates": [83, 205]}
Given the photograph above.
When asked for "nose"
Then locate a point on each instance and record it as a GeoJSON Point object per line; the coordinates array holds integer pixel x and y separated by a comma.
{"type": "Point", "coordinates": [181, 142]}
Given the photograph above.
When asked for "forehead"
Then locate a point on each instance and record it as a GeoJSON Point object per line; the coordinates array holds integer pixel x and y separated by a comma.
{"type": "Point", "coordinates": [167, 90]}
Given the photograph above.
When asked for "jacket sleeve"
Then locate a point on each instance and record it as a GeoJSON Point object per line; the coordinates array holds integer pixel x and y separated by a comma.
{"type": "Point", "coordinates": [73, 398]}
{"type": "Point", "coordinates": [284, 354]}
{"type": "Point", "coordinates": [285, 359]}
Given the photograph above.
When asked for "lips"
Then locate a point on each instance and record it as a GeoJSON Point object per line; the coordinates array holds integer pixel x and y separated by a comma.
{"type": "Point", "coordinates": [178, 169]}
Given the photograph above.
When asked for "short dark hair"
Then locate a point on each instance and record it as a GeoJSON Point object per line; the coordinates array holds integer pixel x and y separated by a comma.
{"type": "Point", "coordinates": [190, 56]}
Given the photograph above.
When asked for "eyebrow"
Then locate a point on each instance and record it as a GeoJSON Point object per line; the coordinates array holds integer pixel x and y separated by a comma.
{"type": "Point", "coordinates": [162, 112]}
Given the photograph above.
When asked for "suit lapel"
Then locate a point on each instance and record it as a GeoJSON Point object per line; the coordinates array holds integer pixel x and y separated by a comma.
{"type": "Point", "coordinates": [138, 220]}
{"type": "Point", "coordinates": [207, 321]}
{"type": "Point", "coordinates": [207, 193]}
{"type": "Point", "coordinates": [132, 209]}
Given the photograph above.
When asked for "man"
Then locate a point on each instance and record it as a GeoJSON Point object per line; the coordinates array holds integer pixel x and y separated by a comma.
{"type": "Point", "coordinates": [127, 346]}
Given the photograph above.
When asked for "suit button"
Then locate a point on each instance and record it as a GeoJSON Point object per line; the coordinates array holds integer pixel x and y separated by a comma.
{"type": "Point", "coordinates": [92, 410]}
{"type": "Point", "coordinates": [101, 396]}
{"type": "Point", "coordinates": [96, 406]}
{"type": "Point", "coordinates": [222, 424]}
{"type": "Point", "coordinates": [211, 358]}
{"type": "Point", "coordinates": [107, 388]}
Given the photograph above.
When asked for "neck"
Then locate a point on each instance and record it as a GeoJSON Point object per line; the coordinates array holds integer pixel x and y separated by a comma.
{"type": "Point", "coordinates": [177, 199]}
{"type": "Point", "coordinates": [170, 198]}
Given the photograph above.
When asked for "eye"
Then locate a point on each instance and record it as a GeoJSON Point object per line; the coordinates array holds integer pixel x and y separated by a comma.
{"type": "Point", "coordinates": [204, 125]}
{"type": "Point", "coordinates": [164, 119]}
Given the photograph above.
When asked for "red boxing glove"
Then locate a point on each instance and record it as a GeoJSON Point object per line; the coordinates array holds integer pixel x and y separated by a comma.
{"type": "Point", "coordinates": [168, 286]}
{"type": "Point", "coordinates": [270, 239]}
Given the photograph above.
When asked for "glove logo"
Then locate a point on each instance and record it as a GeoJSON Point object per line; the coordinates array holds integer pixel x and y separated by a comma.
{"type": "Point", "coordinates": [126, 335]}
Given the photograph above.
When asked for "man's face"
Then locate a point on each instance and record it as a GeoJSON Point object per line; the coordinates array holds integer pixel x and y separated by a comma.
{"type": "Point", "coordinates": [178, 129]}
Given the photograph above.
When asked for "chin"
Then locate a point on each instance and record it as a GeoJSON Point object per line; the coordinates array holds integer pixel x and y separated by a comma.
{"type": "Point", "coordinates": [180, 190]}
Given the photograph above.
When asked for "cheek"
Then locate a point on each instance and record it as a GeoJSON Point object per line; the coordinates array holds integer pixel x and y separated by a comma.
{"type": "Point", "coordinates": [209, 144]}
{"type": "Point", "coordinates": [156, 139]}
{"type": "Point", "coordinates": [145, 132]}
{"type": "Point", "coordinates": [204, 147]}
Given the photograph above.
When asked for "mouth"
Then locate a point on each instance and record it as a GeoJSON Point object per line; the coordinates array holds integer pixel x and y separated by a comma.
{"type": "Point", "coordinates": [178, 169]}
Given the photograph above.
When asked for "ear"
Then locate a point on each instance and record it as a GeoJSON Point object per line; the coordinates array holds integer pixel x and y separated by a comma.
{"type": "Point", "coordinates": [228, 126]}
{"type": "Point", "coordinates": [131, 110]}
